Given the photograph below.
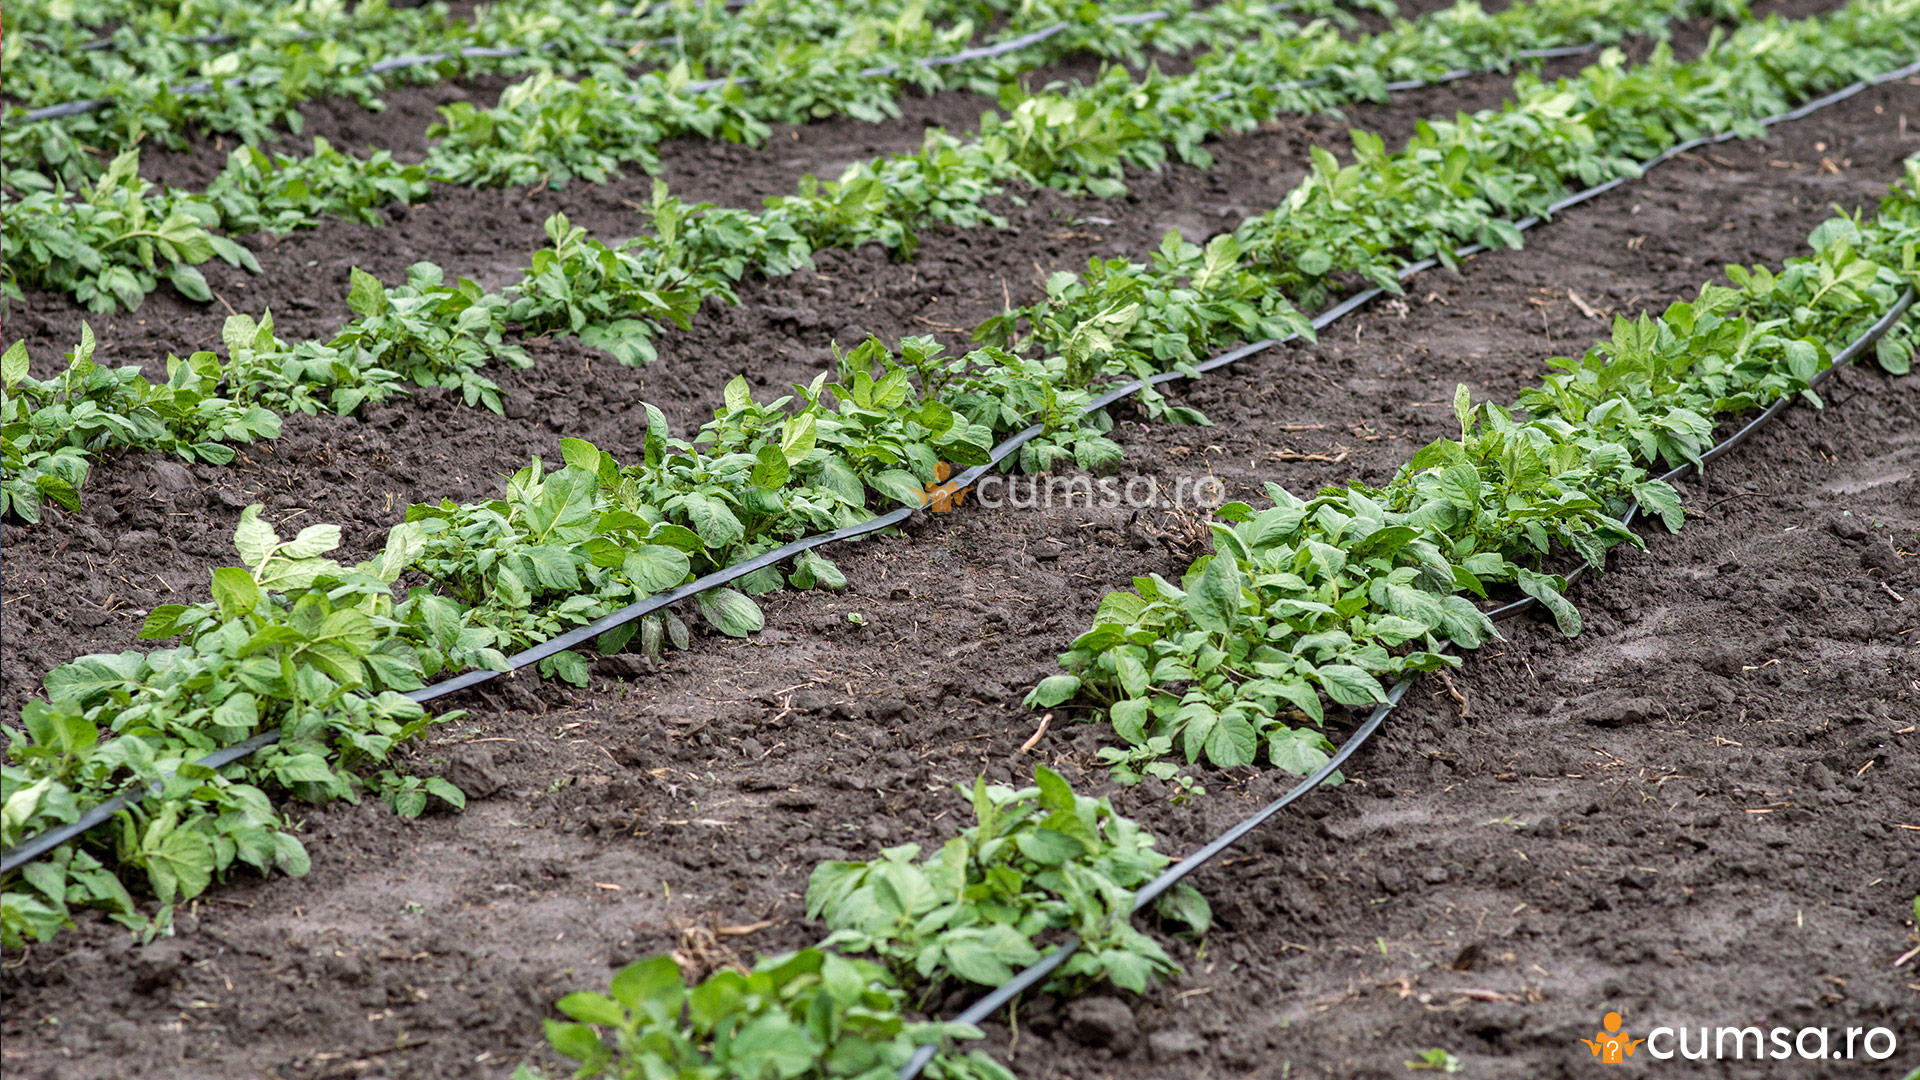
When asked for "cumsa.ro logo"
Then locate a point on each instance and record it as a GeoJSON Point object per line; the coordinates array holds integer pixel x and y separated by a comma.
{"type": "Point", "coordinates": [943, 494]}
{"type": "Point", "coordinates": [1613, 1044]}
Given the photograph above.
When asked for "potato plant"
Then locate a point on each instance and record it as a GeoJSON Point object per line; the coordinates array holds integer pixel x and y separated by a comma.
{"type": "Point", "coordinates": [809, 1014]}
{"type": "Point", "coordinates": [52, 431]}
{"type": "Point", "coordinates": [1037, 861]}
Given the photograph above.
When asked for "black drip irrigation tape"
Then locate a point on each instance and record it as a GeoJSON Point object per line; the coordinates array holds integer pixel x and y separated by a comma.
{"type": "Point", "coordinates": [47, 841]}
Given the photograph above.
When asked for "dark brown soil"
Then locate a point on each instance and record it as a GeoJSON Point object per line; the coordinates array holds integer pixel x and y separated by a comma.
{"type": "Point", "coordinates": [1583, 838]}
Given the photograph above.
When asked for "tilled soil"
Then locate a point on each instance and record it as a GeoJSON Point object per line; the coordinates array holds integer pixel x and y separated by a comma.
{"type": "Point", "coordinates": [1691, 814]}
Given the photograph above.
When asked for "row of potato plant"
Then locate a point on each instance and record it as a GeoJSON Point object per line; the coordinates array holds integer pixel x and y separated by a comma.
{"type": "Point", "coordinates": [93, 241]}
{"type": "Point", "coordinates": [262, 63]}
{"type": "Point", "coordinates": [1300, 599]}
{"type": "Point", "coordinates": [775, 60]}
{"type": "Point", "coordinates": [1038, 861]}
{"type": "Point", "coordinates": [1318, 600]}
{"type": "Point", "coordinates": [560, 548]}
{"type": "Point", "coordinates": [1454, 183]}
{"type": "Point", "coordinates": [551, 129]}
{"type": "Point", "coordinates": [1081, 138]}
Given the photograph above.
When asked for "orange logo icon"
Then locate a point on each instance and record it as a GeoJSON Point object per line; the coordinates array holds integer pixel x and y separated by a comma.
{"type": "Point", "coordinates": [1612, 1046]}
{"type": "Point", "coordinates": [943, 495]}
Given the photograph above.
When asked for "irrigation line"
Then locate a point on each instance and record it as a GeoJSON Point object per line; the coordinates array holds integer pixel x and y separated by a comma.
{"type": "Point", "coordinates": [47, 841]}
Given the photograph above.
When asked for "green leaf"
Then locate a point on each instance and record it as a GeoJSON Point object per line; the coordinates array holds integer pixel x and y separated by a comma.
{"type": "Point", "coordinates": [180, 867]}
{"type": "Point", "coordinates": [590, 1008]}
{"type": "Point", "coordinates": [253, 538]}
{"type": "Point", "coordinates": [1214, 602]}
{"type": "Point", "coordinates": [1659, 497]}
{"type": "Point", "coordinates": [308, 768]}
{"type": "Point", "coordinates": [576, 1041]}
{"type": "Point", "coordinates": [1048, 847]}
{"type": "Point", "coordinates": [770, 469]}
{"type": "Point", "coordinates": [366, 296]}
{"type": "Point", "coordinates": [899, 485]}
{"type": "Point", "coordinates": [1130, 717]}
{"type": "Point", "coordinates": [731, 612]}
{"type": "Point", "coordinates": [446, 792]}
{"type": "Point", "coordinates": [716, 998]}
{"type": "Point", "coordinates": [1546, 588]}
{"type": "Point", "coordinates": [1350, 685]}
{"type": "Point", "coordinates": [713, 521]}
{"type": "Point", "coordinates": [655, 568]}
{"type": "Point", "coordinates": [1184, 904]}
{"type": "Point", "coordinates": [1297, 751]}
{"type": "Point", "coordinates": [1461, 486]}
{"type": "Point", "coordinates": [797, 440]}
{"type": "Point", "coordinates": [975, 962]}
{"type": "Point", "coordinates": [191, 282]}
{"type": "Point", "coordinates": [580, 454]}
{"type": "Point", "coordinates": [771, 1046]}
{"type": "Point", "coordinates": [1053, 690]}
{"type": "Point", "coordinates": [235, 591]}
{"type": "Point", "coordinates": [1895, 356]}
{"type": "Point", "coordinates": [14, 366]}
{"type": "Point", "coordinates": [568, 666]}
{"type": "Point", "coordinates": [160, 622]}
{"type": "Point", "coordinates": [1232, 741]}
{"type": "Point", "coordinates": [290, 856]}
{"type": "Point", "coordinates": [313, 540]}
{"type": "Point", "coordinates": [654, 982]}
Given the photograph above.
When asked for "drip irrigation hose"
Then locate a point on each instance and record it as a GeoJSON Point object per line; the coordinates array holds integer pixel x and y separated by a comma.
{"type": "Point", "coordinates": [47, 841]}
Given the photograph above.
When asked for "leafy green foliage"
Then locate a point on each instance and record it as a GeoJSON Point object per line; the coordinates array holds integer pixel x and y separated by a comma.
{"type": "Point", "coordinates": [433, 333]}
{"type": "Point", "coordinates": [292, 641]}
{"type": "Point", "coordinates": [1315, 601]}
{"type": "Point", "coordinates": [1077, 139]}
{"type": "Point", "coordinates": [809, 1014]}
{"type": "Point", "coordinates": [273, 58]}
{"type": "Point", "coordinates": [279, 193]}
{"type": "Point", "coordinates": [1656, 384]}
{"type": "Point", "coordinates": [1039, 860]}
{"type": "Point", "coordinates": [1435, 1060]}
{"type": "Point", "coordinates": [51, 432]}
{"type": "Point", "coordinates": [1463, 181]}
{"type": "Point", "coordinates": [549, 129]}
{"type": "Point", "coordinates": [110, 243]}
{"type": "Point", "coordinates": [562, 549]}
{"type": "Point", "coordinates": [1134, 320]}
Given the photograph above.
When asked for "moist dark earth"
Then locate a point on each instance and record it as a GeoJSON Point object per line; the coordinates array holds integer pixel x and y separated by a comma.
{"type": "Point", "coordinates": [1701, 811]}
